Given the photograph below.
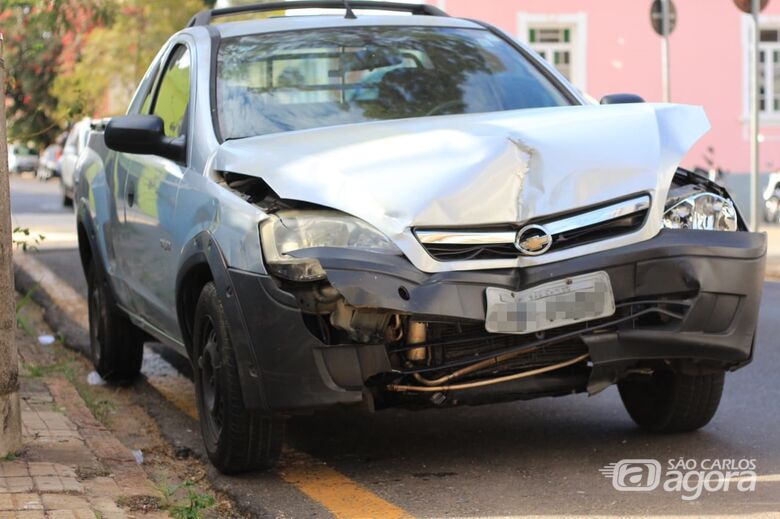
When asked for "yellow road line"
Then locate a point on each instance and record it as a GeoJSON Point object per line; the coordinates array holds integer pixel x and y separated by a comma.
{"type": "Point", "coordinates": [171, 389]}
{"type": "Point", "coordinates": [343, 497]}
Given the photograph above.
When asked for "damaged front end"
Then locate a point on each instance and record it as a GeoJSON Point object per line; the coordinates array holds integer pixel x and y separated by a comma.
{"type": "Point", "coordinates": [344, 317]}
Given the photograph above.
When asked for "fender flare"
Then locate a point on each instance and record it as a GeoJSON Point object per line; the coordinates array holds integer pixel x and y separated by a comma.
{"type": "Point", "coordinates": [201, 250]}
{"type": "Point", "coordinates": [84, 219]}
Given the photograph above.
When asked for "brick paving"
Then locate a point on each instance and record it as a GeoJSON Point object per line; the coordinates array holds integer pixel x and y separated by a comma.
{"type": "Point", "coordinates": [72, 467]}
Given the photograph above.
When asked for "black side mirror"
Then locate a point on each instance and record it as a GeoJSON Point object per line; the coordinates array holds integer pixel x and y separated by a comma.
{"type": "Point", "coordinates": [619, 99]}
{"type": "Point", "coordinates": [144, 135]}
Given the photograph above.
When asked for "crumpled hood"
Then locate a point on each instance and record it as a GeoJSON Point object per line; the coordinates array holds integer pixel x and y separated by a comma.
{"type": "Point", "coordinates": [475, 169]}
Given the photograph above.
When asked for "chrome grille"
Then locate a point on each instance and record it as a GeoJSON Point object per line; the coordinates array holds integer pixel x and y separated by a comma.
{"type": "Point", "coordinates": [498, 242]}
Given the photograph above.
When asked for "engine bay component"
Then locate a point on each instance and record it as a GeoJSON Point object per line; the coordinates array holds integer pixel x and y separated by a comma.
{"type": "Point", "coordinates": [416, 334]}
{"type": "Point", "coordinates": [363, 325]}
{"type": "Point", "coordinates": [490, 381]}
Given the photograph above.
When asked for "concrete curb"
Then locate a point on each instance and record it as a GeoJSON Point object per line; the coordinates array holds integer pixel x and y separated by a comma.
{"type": "Point", "coordinates": [31, 277]}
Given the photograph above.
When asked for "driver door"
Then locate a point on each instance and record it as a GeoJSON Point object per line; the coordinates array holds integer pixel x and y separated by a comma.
{"type": "Point", "coordinates": [151, 185]}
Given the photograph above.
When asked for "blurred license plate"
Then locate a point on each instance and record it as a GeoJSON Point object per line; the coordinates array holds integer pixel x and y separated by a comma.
{"type": "Point", "coordinates": [562, 302]}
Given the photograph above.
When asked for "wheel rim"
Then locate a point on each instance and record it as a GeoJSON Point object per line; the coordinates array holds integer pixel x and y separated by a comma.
{"type": "Point", "coordinates": [662, 385]}
{"type": "Point", "coordinates": [210, 364]}
{"type": "Point", "coordinates": [656, 390]}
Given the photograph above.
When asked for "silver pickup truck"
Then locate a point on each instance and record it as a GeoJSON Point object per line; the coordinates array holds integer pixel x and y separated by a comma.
{"type": "Point", "coordinates": [404, 211]}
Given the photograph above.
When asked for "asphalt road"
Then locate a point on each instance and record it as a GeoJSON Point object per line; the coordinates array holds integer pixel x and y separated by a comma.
{"type": "Point", "coordinates": [37, 206]}
{"type": "Point", "coordinates": [527, 458]}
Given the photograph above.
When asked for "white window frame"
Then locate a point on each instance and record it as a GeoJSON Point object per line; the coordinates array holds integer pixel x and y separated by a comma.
{"type": "Point", "coordinates": [577, 23]}
{"type": "Point", "coordinates": [765, 22]}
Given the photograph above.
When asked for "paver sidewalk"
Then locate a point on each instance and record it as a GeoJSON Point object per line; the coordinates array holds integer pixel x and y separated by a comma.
{"type": "Point", "coordinates": [71, 465]}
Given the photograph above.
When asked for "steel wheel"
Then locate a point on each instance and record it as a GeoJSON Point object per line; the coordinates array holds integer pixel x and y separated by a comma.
{"type": "Point", "coordinates": [210, 364]}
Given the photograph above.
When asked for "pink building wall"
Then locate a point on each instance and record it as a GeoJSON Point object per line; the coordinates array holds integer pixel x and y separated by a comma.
{"type": "Point", "coordinates": [708, 61]}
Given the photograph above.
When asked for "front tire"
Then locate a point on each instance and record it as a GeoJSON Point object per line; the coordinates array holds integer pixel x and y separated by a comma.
{"type": "Point", "coordinates": [116, 345]}
{"type": "Point", "coordinates": [670, 401]}
{"type": "Point", "coordinates": [236, 439]}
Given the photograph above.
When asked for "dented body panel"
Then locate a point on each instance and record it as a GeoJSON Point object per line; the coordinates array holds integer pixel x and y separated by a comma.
{"type": "Point", "coordinates": [477, 170]}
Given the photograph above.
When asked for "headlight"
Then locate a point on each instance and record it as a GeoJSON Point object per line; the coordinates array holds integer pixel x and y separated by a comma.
{"type": "Point", "coordinates": [702, 211]}
{"type": "Point", "coordinates": [289, 231]}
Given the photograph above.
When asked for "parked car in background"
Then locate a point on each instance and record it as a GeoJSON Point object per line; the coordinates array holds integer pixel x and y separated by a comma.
{"type": "Point", "coordinates": [49, 162]}
{"type": "Point", "coordinates": [405, 211]}
{"type": "Point", "coordinates": [21, 158]}
{"type": "Point", "coordinates": [772, 199]}
{"type": "Point", "coordinates": [74, 145]}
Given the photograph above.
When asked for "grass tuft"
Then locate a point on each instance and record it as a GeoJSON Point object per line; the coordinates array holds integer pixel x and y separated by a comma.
{"type": "Point", "coordinates": [193, 505]}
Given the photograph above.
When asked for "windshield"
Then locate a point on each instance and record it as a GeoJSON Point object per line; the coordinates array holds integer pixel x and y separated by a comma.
{"type": "Point", "coordinates": [270, 83]}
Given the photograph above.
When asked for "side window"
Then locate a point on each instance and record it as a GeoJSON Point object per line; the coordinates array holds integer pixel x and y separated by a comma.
{"type": "Point", "coordinates": [142, 101]}
{"type": "Point", "coordinates": [173, 93]}
{"type": "Point", "coordinates": [147, 100]}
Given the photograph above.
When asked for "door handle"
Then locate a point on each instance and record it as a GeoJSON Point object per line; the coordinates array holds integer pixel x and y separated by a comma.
{"type": "Point", "coordinates": [130, 193]}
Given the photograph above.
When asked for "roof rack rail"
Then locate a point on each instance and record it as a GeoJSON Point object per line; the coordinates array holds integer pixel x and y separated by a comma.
{"type": "Point", "coordinates": [205, 17]}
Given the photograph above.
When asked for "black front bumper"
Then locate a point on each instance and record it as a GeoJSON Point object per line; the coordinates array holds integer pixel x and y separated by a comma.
{"type": "Point", "coordinates": [720, 273]}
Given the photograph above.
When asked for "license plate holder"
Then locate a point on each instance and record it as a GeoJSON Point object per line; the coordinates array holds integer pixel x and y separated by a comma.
{"type": "Point", "coordinates": [551, 305]}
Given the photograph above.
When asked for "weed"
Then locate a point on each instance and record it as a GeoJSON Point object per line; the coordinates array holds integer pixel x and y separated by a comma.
{"type": "Point", "coordinates": [167, 490]}
{"type": "Point", "coordinates": [35, 371]}
{"type": "Point", "coordinates": [22, 239]}
{"type": "Point", "coordinates": [194, 504]}
{"type": "Point", "coordinates": [100, 408]}
{"type": "Point", "coordinates": [21, 320]}
{"type": "Point", "coordinates": [8, 457]}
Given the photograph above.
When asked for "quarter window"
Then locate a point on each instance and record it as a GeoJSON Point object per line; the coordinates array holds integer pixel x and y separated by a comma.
{"type": "Point", "coordinates": [173, 95]}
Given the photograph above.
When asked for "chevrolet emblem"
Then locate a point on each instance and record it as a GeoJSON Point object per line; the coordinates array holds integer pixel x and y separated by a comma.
{"type": "Point", "coordinates": [533, 240]}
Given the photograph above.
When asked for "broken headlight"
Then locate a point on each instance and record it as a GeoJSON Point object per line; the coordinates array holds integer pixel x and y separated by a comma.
{"type": "Point", "coordinates": [289, 231]}
{"type": "Point", "coordinates": [701, 211]}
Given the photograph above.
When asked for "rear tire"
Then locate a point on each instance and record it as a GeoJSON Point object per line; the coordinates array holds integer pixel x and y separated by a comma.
{"type": "Point", "coordinates": [116, 345]}
{"type": "Point", "coordinates": [670, 401]}
{"type": "Point", "coordinates": [236, 439]}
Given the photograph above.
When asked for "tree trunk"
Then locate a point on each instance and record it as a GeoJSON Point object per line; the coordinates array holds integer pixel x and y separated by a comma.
{"type": "Point", "coordinates": [10, 417]}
